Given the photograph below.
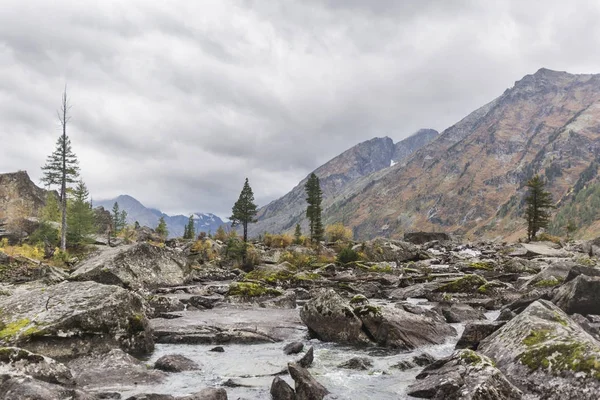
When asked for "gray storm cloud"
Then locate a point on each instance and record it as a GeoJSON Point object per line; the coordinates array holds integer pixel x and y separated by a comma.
{"type": "Point", "coordinates": [175, 104]}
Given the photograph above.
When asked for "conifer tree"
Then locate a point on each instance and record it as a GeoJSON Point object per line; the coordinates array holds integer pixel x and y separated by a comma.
{"type": "Point", "coordinates": [538, 201]}
{"type": "Point", "coordinates": [314, 197]}
{"type": "Point", "coordinates": [116, 218]}
{"type": "Point", "coordinates": [80, 217]}
{"type": "Point", "coordinates": [161, 229]}
{"type": "Point", "coordinates": [61, 167]}
{"type": "Point", "coordinates": [298, 235]}
{"type": "Point", "coordinates": [221, 234]}
{"type": "Point", "coordinates": [122, 220]}
{"type": "Point", "coordinates": [244, 209]}
{"type": "Point", "coordinates": [136, 225]}
{"type": "Point", "coordinates": [189, 232]}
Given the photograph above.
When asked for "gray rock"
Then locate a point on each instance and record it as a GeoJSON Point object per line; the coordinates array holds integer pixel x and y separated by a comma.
{"type": "Point", "coordinates": [423, 359]}
{"type": "Point", "coordinates": [27, 388]}
{"type": "Point", "coordinates": [581, 295]}
{"type": "Point", "coordinates": [293, 348]}
{"type": "Point", "coordinates": [218, 349]}
{"type": "Point", "coordinates": [307, 359]}
{"type": "Point", "coordinates": [75, 318]}
{"type": "Point", "coordinates": [280, 390]}
{"type": "Point", "coordinates": [16, 361]}
{"type": "Point", "coordinates": [543, 249]}
{"type": "Point", "coordinates": [175, 363]}
{"type": "Point", "coordinates": [330, 318]}
{"type": "Point", "coordinates": [307, 387]}
{"type": "Point", "coordinates": [455, 313]}
{"type": "Point", "coordinates": [464, 375]}
{"type": "Point", "coordinates": [113, 368]}
{"type": "Point", "coordinates": [475, 332]}
{"type": "Point", "coordinates": [396, 328]}
{"type": "Point", "coordinates": [136, 266]}
{"type": "Point", "coordinates": [164, 304]}
{"type": "Point", "coordinates": [286, 300]}
{"type": "Point", "coordinates": [357, 363]}
{"type": "Point", "coordinates": [581, 270]}
{"type": "Point", "coordinates": [543, 351]}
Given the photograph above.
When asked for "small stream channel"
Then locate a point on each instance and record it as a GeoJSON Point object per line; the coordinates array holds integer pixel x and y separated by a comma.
{"type": "Point", "coordinates": [248, 366]}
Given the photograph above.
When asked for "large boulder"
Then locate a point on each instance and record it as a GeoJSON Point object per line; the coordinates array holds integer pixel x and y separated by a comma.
{"type": "Point", "coordinates": [330, 318]}
{"type": "Point", "coordinates": [16, 361]}
{"type": "Point", "coordinates": [381, 249]}
{"type": "Point", "coordinates": [399, 329]}
{"type": "Point", "coordinates": [280, 390]}
{"type": "Point", "coordinates": [458, 312]}
{"type": "Point", "coordinates": [543, 249]}
{"type": "Point", "coordinates": [175, 363]}
{"type": "Point", "coordinates": [581, 296]}
{"type": "Point", "coordinates": [28, 388]}
{"type": "Point", "coordinates": [74, 318]}
{"type": "Point", "coordinates": [544, 352]}
{"type": "Point", "coordinates": [97, 371]}
{"type": "Point", "coordinates": [142, 265]}
{"type": "Point", "coordinates": [464, 375]}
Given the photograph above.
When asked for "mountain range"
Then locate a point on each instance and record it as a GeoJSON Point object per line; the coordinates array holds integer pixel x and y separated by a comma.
{"type": "Point", "coordinates": [342, 175]}
{"type": "Point", "coordinates": [470, 179]}
{"type": "Point", "coordinates": [145, 216]}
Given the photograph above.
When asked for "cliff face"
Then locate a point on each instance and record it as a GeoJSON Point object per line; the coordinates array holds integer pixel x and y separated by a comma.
{"type": "Point", "coordinates": [405, 148]}
{"type": "Point", "coordinates": [470, 179]}
{"type": "Point", "coordinates": [19, 196]}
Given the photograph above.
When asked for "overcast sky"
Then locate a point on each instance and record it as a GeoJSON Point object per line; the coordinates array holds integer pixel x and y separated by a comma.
{"type": "Point", "coordinates": [176, 102]}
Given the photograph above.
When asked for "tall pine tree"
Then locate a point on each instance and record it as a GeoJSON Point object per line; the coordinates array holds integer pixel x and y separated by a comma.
{"type": "Point", "coordinates": [298, 235]}
{"type": "Point", "coordinates": [314, 197]}
{"type": "Point", "coordinates": [61, 167]}
{"type": "Point", "coordinates": [538, 201]}
{"type": "Point", "coordinates": [81, 216]}
{"type": "Point", "coordinates": [244, 210]}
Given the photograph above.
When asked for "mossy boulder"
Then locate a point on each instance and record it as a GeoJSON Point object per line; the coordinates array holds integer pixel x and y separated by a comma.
{"type": "Point", "coordinates": [74, 318]}
{"type": "Point", "coordinates": [546, 353]}
{"type": "Point", "coordinates": [464, 375]}
{"type": "Point", "coordinates": [387, 250]}
{"type": "Point", "coordinates": [467, 284]}
{"type": "Point", "coordinates": [139, 266]}
{"type": "Point", "coordinates": [252, 290]}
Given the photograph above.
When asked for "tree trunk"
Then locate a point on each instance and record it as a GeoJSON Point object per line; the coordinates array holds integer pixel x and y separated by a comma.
{"type": "Point", "coordinates": [63, 189]}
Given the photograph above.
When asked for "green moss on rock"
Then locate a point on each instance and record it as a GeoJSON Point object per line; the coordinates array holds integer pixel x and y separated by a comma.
{"type": "Point", "coordinates": [13, 329]}
{"type": "Point", "coordinates": [550, 282]}
{"type": "Point", "coordinates": [466, 284]}
{"type": "Point", "coordinates": [251, 289]}
{"type": "Point", "coordinates": [481, 265]}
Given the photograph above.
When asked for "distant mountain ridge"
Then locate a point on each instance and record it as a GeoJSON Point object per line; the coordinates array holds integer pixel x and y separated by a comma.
{"type": "Point", "coordinates": [136, 211]}
{"type": "Point", "coordinates": [341, 175]}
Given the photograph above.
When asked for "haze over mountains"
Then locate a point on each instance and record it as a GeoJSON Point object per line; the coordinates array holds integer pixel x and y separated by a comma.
{"type": "Point", "coordinates": [136, 211]}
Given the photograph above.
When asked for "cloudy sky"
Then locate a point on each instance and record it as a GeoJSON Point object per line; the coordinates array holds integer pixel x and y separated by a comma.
{"type": "Point", "coordinates": [176, 102]}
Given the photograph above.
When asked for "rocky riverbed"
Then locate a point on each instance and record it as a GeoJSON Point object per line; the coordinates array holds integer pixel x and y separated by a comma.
{"type": "Point", "coordinates": [429, 318]}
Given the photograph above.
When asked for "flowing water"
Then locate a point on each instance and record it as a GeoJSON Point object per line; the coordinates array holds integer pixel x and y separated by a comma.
{"type": "Point", "coordinates": [250, 367]}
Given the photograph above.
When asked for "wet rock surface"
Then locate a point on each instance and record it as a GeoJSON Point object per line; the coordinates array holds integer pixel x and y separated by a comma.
{"type": "Point", "coordinates": [74, 318]}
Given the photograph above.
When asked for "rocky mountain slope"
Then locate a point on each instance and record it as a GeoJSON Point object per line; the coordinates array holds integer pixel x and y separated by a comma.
{"type": "Point", "coordinates": [19, 195]}
{"type": "Point", "coordinates": [344, 173]}
{"type": "Point", "coordinates": [136, 211]}
{"type": "Point", "coordinates": [470, 180]}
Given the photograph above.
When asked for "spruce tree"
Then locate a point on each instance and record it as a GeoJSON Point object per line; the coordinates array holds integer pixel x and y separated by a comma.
{"type": "Point", "coordinates": [122, 219]}
{"type": "Point", "coordinates": [161, 229]}
{"type": "Point", "coordinates": [314, 197]}
{"type": "Point", "coordinates": [61, 167]}
{"type": "Point", "coordinates": [298, 235]}
{"type": "Point", "coordinates": [189, 231]}
{"type": "Point", "coordinates": [244, 210]}
{"type": "Point", "coordinates": [80, 217]}
{"type": "Point", "coordinates": [538, 201]}
{"type": "Point", "coordinates": [116, 219]}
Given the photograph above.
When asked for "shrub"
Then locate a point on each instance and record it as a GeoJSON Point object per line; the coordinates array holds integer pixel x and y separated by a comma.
{"type": "Point", "coordinates": [545, 237]}
{"type": "Point", "coordinates": [278, 241]}
{"type": "Point", "coordinates": [338, 233]}
{"type": "Point", "coordinates": [347, 255]}
{"type": "Point", "coordinates": [204, 247]}
{"type": "Point", "coordinates": [297, 259]}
